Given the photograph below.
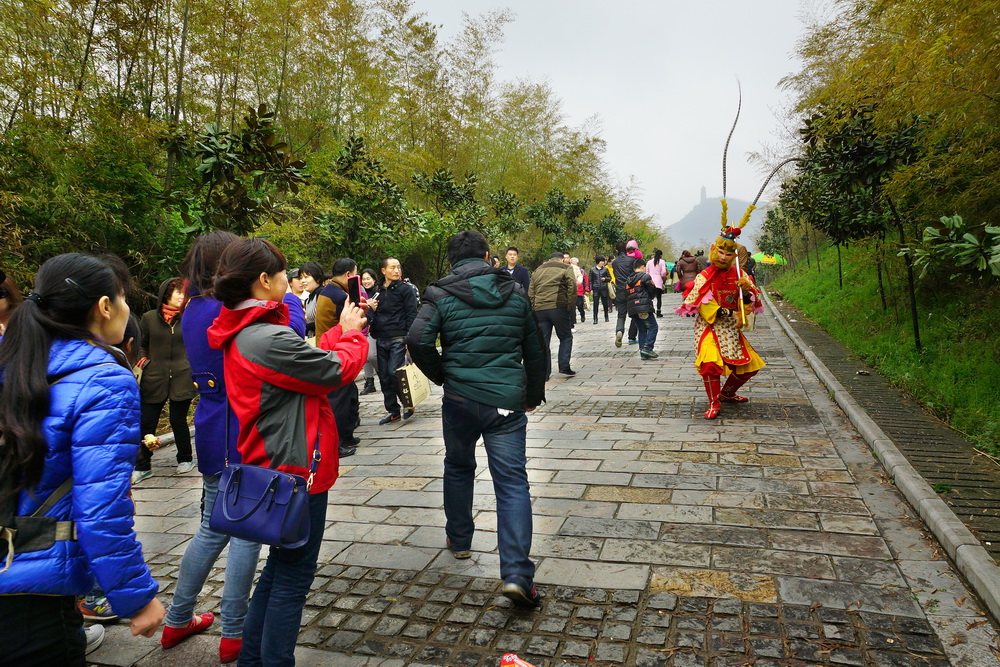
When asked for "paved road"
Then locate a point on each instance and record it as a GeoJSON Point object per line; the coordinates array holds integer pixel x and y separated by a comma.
{"type": "Point", "coordinates": [767, 537]}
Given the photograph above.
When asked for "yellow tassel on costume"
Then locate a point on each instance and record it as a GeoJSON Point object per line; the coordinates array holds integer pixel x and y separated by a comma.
{"type": "Point", "coordinates": [746, 217]}
{"type": "Point", "coordinates": [725, 212]}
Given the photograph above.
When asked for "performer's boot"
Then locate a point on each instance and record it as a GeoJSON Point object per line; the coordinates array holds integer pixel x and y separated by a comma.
{"type": "Point", "coordinates": [712, 389]}
{"type": "Point", "coordinates": [735, 381]}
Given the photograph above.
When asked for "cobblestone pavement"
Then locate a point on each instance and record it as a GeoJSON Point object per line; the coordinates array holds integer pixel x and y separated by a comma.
{"type": "Point", "coordinates": [941, 455]}
{"type": "Point", "coordinates": [767, 537]}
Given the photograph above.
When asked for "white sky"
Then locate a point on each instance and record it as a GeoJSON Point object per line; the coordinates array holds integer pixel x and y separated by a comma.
{"type": "Point", "coordinates": [661, 75]}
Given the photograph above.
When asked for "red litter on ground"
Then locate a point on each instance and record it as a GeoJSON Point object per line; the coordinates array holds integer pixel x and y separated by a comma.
{"type": "Point", "coordinates": [511, 660]}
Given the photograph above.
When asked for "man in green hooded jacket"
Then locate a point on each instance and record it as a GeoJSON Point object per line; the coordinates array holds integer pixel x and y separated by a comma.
{"type": "Point", "coordinates": [492, 366]}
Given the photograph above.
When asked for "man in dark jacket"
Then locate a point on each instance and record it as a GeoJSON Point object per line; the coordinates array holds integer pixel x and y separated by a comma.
{"type": "Point", "coordinates": [391, 317]}
{"type": "Point", "coordinates": [553, 295]}
{"type": "Point", "coordinates": [518, 272]}
{"type": "Point", "coordinates": [622, 267]}
{"type": "Point", "coordinates": [639, 293]}
{"type": "Point", "coordinates": [492, 369]}
{"type": "Point", "coordinates": [599, 279]}
{"type": "Point", "coordinates": [344, 402]}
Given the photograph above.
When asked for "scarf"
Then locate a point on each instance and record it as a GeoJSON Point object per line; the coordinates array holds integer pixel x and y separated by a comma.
{"type": "Point", "coordinates": [169, 312]}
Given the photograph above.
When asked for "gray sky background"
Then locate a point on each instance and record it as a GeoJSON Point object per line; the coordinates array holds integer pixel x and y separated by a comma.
{"type": "Point", "coordinates": [661, 75]}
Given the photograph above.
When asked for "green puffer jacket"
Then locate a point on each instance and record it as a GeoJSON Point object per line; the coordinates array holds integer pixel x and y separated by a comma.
{"type": "Point", "coordinates": [491, 348]}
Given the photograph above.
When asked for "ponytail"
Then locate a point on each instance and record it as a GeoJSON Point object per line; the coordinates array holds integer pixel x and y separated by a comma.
{"type": "Point", "coordinates": [66, 289]}
{"type": "Point", "coordinates": [240, 266]}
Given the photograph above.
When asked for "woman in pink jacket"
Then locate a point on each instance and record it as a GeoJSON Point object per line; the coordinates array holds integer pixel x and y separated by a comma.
{"type": "Point", "coordinates": [657, 270]}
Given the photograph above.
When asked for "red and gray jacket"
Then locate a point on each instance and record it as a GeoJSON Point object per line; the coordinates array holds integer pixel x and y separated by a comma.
{"type": "Point", "coordinates": [278, 386]}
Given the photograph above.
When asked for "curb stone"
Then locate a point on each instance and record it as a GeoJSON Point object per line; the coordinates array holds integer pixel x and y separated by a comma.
{"type": "Point", "coordinates": [962, 547]}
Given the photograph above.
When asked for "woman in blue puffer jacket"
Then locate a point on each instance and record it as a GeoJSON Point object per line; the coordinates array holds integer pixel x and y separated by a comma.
{"type": "Point", "coordinates": [69, 421]}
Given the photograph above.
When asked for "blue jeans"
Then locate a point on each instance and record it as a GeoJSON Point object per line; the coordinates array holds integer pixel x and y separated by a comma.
{"type": "Point", "coordinates": [648, 329]}
{"type": "Point", "coordinates": [200, 557]}
{"type": "Point", "coordinates": [561, 320]}
{"type": "Point", "coordinates": [272, 624]}
{"type": "Point", "coordinates": [391, 356]}
{"type": "Point", "coordinates": [464, 422]}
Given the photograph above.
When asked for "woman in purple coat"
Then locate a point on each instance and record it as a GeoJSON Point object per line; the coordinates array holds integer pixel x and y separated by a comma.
{"type": "Point", "coordinates": [211, 439]}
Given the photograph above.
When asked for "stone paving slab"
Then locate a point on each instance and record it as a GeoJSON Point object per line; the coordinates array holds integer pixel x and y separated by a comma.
{"type": "Point", "coordinates": [770, 536]}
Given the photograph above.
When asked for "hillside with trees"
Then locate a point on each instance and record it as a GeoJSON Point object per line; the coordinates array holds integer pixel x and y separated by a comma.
{"type": "Point", "coordinates": [335, 127]}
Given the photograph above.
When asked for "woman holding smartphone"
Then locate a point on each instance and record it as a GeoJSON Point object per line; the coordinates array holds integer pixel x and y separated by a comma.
{"type": "Point", "coordinates": [263, 358]}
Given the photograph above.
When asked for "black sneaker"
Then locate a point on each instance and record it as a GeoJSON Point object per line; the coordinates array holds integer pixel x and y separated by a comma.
{"type": "Point", "coordinates": [407, 414]}
{"type": "Point", "coordinates": [521, 591]}
{"type": "Point", "coordinates": [390, 419]}
{"type": "Point", "coordinates": [346, 450]}
{"type": "Point", "coordinates": [567, 371]}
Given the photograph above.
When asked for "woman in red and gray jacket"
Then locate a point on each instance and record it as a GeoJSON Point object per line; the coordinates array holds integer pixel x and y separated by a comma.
{"type": "Point", "coordinates": [278, 386]}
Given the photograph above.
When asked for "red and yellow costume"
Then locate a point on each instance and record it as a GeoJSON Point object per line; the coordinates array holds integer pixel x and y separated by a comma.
{"type": "Point", "coordinates": [722, 349]}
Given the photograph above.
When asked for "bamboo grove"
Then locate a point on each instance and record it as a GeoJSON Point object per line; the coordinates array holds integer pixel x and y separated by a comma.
{"type": "Point", "coordinates": [332, 126]}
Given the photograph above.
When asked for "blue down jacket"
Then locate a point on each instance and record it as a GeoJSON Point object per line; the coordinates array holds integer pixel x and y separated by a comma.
{"type": "Point", "coordinates": [92, 430]}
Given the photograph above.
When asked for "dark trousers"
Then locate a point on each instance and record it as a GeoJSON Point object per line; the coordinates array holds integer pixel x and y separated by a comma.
{"type": "Point", "coordinates": [149, 417]}
{"type": "Point", "coordinates": [346, 411]}
{"type": "Point", "coordinates": [41, 630]}
{"type": "Point", "coordinates": [581, 305]}
{"type": "Point", "coordinates": [633, 329]}
{"type": "Point", "coordinates": [275, 613]}
{"type": "Point", "coordinates": [601, 296]}
{"type": "Point", "coordinates": [391, 356]}
{"type": "Point", "coordinates": [558, 319]}
{"type": "Point", "coordinates": [659, 301]}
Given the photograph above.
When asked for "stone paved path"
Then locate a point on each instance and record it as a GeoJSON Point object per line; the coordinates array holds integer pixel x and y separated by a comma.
{"type": "Point", "coordinates": [767, 537]}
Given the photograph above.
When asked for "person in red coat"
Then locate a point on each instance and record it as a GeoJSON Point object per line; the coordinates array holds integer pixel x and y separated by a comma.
{"type": "Point", "coordinates": [278, 386]}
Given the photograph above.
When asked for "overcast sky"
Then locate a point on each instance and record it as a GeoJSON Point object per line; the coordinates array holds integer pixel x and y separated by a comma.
{"type": "Point", "coordinates": [661, 75]}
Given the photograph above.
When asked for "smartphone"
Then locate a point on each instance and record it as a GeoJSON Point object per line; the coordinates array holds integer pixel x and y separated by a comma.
{"type": "Point", "coordinates": [354, 290]}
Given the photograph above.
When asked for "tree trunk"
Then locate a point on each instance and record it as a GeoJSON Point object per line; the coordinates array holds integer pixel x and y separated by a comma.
{"type": "Point", "coordinates": [176, 114]}
{"type": "Point", "coordinates": [909, 278]}
{"type": "Point", "coordinates": [78, 89]}
{"type": "Point", "coordinates": [840, 268]}
{"type": "Point", "coordinates": [878, 272]}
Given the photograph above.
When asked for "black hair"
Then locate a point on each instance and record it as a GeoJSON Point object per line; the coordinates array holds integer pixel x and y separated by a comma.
{"type": "Point", "coordinates": [203, 259]}
{"type": "Point", "coordinates": [620, 247]}
{"type": "Point", "coordinates": [638, 264]}
{"type": "Point", "coordinates": [173, 285]}
{"type": "Point", "coordinates": [314, 270]}
{"type": "Point", "coordinates": [240, 266]}
{"type": "Point", "coordinates": [557, 254]}
{"type": "Point", "coordinates": [9, 291]}
{"type": "Point", "coordinates": [342, 266]}
{"type": "Point", "coordinates": [469, 244]}
{"type": "Point", "coordinates": [657, 257]}
{"type": "Point", "coordinates": [384, 262]}
{"type": "Point", "coordinates": [599, 259]}
{"type": "Point", "coordinates": [375, 276]}
{"type": "Point", "coordinates": [131, 333]}
{"type": "Point", "coordinates": [509, 248]}
{"type": "Point", "coordinates": [68, 286]}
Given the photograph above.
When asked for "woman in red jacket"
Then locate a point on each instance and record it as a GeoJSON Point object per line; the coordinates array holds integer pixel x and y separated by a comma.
{"type": "Point", "coordinates": [278, 386]}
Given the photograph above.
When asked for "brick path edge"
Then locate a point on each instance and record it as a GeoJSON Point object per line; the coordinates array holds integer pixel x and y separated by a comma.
{"type": "Point", "coordinates": [962, 547]}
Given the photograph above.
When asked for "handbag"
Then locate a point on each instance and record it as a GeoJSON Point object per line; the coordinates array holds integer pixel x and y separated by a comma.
{"type": "Point", "coordinates": [263, 505]}
{"type": "Point", "coordinates": [414, 386]}
{"type": "Point", "coordinates": [611, 291]}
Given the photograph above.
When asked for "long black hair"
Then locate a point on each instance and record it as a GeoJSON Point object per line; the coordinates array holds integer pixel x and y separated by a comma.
{"type": "Point", "coordinates": [240, 266]}
{"type": "Point", "coordinates": [66, 289]}
{"type": "Point", "coordinates": [203, 259]}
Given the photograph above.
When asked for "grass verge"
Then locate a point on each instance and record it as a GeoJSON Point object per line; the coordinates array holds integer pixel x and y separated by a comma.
{"type": "Point", "coordinates": [957, 378]}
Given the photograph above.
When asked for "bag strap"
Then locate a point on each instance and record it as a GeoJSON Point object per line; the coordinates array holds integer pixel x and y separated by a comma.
{"type": "Point", "coordinates": [53, 498]}
{"type": "Point", "coordinates": [317, 456]}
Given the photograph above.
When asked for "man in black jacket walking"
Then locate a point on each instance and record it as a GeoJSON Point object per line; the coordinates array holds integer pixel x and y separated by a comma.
{"type": "Point", "coordinates": [622, 266]}
{"type": "Point", "coordinates": [599, 279]}
{"type": "Point", "coordinates": [394, 312]}
{"type": "Point", "coordinates": [486, 329]}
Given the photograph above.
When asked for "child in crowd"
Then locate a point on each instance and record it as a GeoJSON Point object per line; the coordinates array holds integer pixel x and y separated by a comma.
{"type": "Point", "coordinates": [640, 291]}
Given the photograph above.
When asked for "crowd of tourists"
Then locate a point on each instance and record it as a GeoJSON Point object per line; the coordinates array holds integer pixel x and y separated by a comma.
{"type": "Point", "coordinates": [272, 354]}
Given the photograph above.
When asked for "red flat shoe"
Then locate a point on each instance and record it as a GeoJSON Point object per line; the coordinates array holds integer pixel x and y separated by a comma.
{"type": "Point", "coordinates": [173, 636]}
{"type": "Point", "coordinates": [733, 399]}
{"type": "Point", "coordinates": [713, 410]}
{"type": "Point", "coordinates": [229, 649]}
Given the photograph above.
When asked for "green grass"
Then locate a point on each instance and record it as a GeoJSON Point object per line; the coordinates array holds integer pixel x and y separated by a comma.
{"type": "Point", "coordinates": [958, 376]}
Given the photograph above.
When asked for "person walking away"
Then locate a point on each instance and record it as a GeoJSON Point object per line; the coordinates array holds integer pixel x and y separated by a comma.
{"type": "Point", "coordinates": [344, 402]}
{"type": "Point", "coordinates": [582, 287]}
{"type": "Point", "coordinates": [293, 428]}
{"type": "Point", "coordinates": [657, 270]}
{"type": "Point", "coordinates": [519, 273]}
{"type": "Point", "coordinates": [687, 268]}
{"type": "Point", "coordinates": [166, 377]}
{"type": "Point", "coordinates": [491, 368]}
{"type": "Point", "coordinates": [622, 268]}
{"type": "Point", "coordinates": [69, 457]}
{"type": "Point", "coordinates": [392, 315]}
{"type": "Point", "coordinates": [370, 283]}
{"type": "Point", "coordinates": [640, 291]}
{"type": "Point", "coordinates": [552, 294]}
{"type": "Point", "coordinates": [311, 277]}
{"type": "Point", "coordinates": [215, 431]}
{"type": "Point", "coordinates": [599, 279]}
